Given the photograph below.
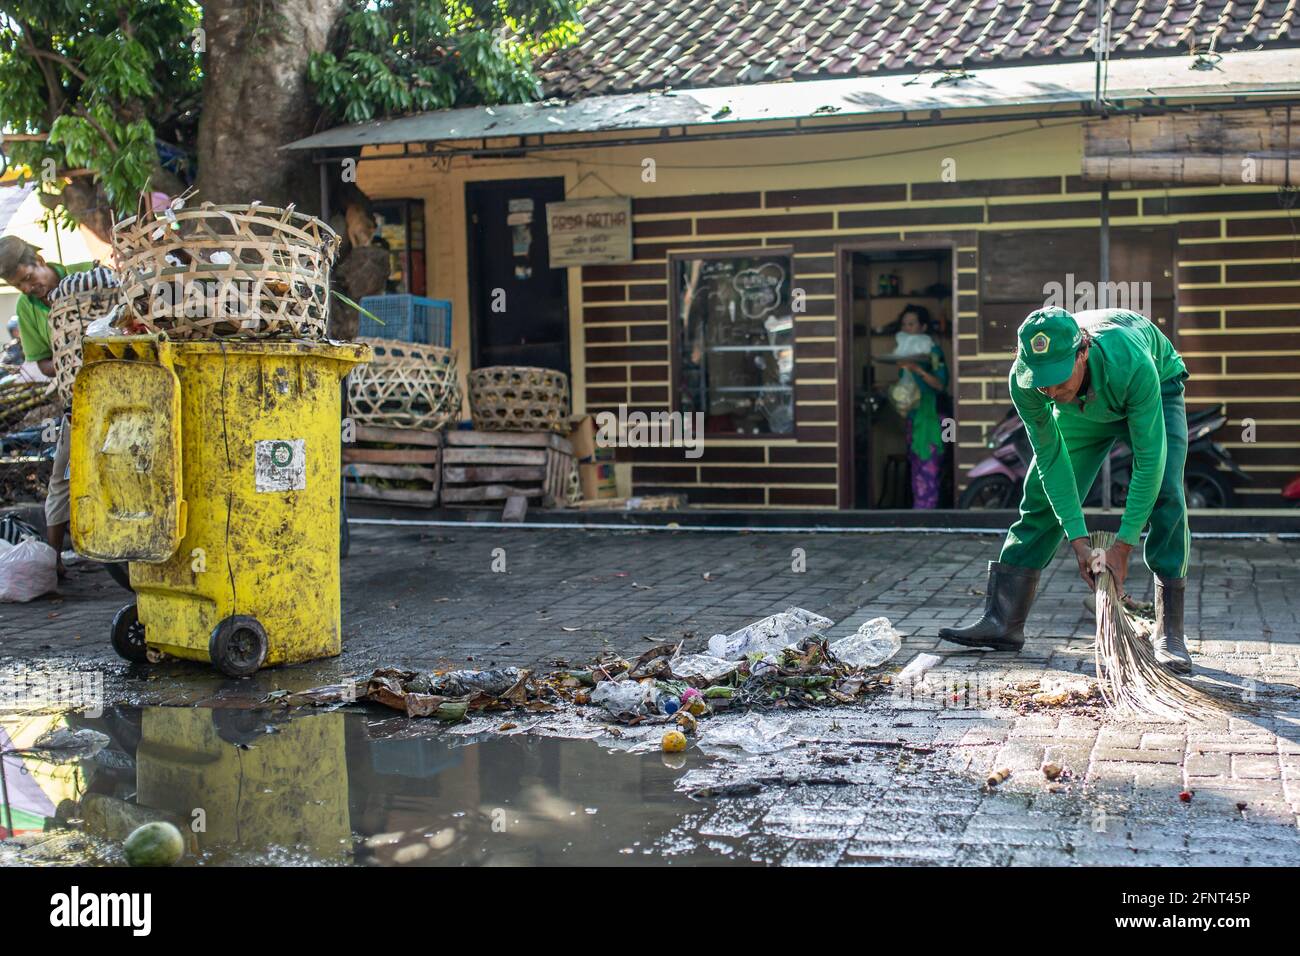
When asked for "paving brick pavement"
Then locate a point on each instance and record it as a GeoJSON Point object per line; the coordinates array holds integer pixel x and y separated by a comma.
{"type": "Point", "coordinates": [425, 597]}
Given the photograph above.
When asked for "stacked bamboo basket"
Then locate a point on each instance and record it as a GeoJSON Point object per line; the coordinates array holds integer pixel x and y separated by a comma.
{"type": "Point", "coordinates": [515, 398]}
{"type": "Point", "coordinates": [400, 403]}
{"type": "Point", "coordinates": [517, 448]}
{"type": "Point", "coordinates": [80, 299]}
{"type": "Point", "coordinates": [406, 385]}
{"type": "Point", "coordinates": [232, 271]}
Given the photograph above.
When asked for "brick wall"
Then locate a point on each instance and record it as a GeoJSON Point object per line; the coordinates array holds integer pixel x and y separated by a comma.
{"type": "Point", "coordinates": [1238, 316]}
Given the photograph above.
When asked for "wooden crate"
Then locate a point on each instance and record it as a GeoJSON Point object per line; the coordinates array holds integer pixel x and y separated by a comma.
{"type": "Point", "coordinates": [417, 458]}
{"type": "Point", "coordinates": [479, 467]}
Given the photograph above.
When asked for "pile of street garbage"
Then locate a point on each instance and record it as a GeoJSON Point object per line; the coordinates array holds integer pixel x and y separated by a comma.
{"type": "Point", "coordinates": [782, 661]}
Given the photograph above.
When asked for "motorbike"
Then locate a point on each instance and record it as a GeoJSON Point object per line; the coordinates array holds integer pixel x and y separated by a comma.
{"type": "Point", "coordinates": [12, 354]}
{"type": "Point", "coordinates": [1210, 477]}
{"type": "Point", "coordinates": [1291, 493]}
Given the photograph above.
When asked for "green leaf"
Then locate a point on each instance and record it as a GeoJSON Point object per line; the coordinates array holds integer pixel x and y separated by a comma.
{"type": "Point", "coordinates": [346, 301]}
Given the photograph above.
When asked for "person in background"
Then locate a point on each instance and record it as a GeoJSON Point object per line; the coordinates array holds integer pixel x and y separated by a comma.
{"type": "Point", "coordinates": [13, 347]}
{"type": "Point", "coordinates": [923, 430]}
{"type": "Point", "coordinates": [23, 267]}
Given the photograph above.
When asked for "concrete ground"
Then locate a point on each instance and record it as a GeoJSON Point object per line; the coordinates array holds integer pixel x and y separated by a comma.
{"type": "Point", "coordinates": [421, 597]}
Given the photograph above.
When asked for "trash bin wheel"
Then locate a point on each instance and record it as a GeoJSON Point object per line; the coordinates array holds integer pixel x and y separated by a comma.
{"type": "Point", "coordinates": [128, 635]}
{"type": "Point", "coordinates": [238, 646]}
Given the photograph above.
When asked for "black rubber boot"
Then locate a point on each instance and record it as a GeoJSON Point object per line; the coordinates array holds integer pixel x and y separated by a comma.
{"type": "Point", "coordinates": [1168, 639]}
{"type": "Point", "coordinates": [1008, 597]}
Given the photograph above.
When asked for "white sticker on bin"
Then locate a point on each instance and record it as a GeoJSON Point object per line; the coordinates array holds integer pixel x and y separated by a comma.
{"type": "Point", "coordinates": [281, 464]}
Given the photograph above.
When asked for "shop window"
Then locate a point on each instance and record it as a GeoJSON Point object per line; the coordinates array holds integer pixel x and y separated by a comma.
{"type": "Point", "coordinates": [733, 332]}
{"type": "Point", "coordinates": [399, 227]}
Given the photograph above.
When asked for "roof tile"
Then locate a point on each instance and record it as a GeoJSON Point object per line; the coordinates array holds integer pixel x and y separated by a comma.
{"type": "Point", "coordinates": [719, 42]}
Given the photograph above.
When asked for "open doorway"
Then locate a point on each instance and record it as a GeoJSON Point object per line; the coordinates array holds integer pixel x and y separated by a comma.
{"type": "Point", "coordinates": [519, 305]}
{"type": "Point", "coordinates": [899, 367]}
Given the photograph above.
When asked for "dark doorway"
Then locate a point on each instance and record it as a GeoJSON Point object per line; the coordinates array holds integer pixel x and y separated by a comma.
{"type": "Point", "coordinates": [882, 285]}
{"type": "Point", "coordinates": [519, 305]}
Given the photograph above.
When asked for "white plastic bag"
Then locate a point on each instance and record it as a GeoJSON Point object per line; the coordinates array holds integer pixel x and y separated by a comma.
{"type": "Point", "coordinates": [28, 569]}
{"type": "Point", "coordinates": [702, 668]}
{"type": "Point", "coordinates": [753, 733]}
{"type": "Point", "coordinates": [770, 635]}
{"type": "Point", "coordinates": [920, 665]}
{"type": "Point", "coordinates": [625, 698]}
{"type": "Point", "coordinates": [875, 642]}
{"type": "Point", "coordinates": [102, 325]}
{"type": "Point", "coordinates": [904, 395]}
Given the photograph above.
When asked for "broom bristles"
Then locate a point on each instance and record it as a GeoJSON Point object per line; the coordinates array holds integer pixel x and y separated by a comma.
{"type": "Point", "coordinates": [1132, 681]}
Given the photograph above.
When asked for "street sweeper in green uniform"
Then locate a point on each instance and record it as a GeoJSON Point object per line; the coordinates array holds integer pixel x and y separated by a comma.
{"type": "Point", "coordinates": [1079, 383]}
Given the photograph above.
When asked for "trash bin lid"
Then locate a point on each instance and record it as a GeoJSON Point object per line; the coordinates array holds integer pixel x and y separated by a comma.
{"type": "Point", "coordinates": [125, 461]}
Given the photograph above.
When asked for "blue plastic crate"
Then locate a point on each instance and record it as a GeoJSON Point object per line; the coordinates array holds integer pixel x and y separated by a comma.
{"type": "Point", "coordinates": [409, 318]}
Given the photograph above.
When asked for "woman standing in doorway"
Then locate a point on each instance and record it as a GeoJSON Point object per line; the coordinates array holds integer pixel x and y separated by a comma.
{"type": "Point", "coordinates": [924, 431]}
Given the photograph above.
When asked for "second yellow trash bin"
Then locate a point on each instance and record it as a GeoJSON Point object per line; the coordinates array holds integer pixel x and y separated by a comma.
{"type": "Point", "coordinates": [213, 468]}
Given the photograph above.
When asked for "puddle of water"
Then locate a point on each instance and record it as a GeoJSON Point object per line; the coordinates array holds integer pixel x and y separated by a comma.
{"type": "Point", "coordinates": [361, 787]}
{"type": "Point", "coordinates": [340, 788]}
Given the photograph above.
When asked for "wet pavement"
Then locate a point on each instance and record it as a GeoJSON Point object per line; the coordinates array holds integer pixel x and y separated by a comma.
{"type": "Point", "coordinates": [901, 779]}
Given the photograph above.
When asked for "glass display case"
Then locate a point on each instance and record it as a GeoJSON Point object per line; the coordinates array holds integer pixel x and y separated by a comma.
{"type": "Point", "coordinates": [734, 338]}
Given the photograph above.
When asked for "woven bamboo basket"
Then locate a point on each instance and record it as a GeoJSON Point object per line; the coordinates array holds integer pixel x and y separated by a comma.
{"type": "Point", "coordinates": [513, 398]}
{"type": "Point", "coordinates": [406, 385]}
{"type": "Point", "coordinates": [69, 317]}
{"type": "Point", "coordinates": [234, 271]}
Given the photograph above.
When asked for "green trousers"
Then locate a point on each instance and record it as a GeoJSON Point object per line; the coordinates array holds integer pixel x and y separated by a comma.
{"type": "Point", "coordinates": [1033, 540]}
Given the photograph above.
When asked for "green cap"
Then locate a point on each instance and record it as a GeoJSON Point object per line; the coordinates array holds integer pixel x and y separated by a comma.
{"type": "Point", "coordinates": [1049, 340]}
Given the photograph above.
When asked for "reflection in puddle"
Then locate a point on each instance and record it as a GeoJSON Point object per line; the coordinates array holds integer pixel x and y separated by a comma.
{"type": "Point", "coordinates": [329, 788]}
{"type": "Point", "coordinates": [354, 787]}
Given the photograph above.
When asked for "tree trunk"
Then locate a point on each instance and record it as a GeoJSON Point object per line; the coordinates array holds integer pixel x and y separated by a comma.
{"type": "Point", "coordinates": [360, 273]}
{"type": "Point", "coordinates": [87, 203]}
{"type": "Point", "coordinates": [256, 99]}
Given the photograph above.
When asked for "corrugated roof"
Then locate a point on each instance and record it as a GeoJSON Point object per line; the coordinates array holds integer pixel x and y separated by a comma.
{"type": "Point", "coordinates": [1267, 72]}
{"type": "Point", "coordinates": [640, 45]}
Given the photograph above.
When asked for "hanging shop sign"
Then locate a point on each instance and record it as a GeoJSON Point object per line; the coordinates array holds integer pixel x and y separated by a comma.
{"type": "Point", "coordinates": [584, 232]}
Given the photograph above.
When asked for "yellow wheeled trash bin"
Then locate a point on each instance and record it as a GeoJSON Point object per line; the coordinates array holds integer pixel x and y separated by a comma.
{"type": "Point", "coordinates": [213, 468]}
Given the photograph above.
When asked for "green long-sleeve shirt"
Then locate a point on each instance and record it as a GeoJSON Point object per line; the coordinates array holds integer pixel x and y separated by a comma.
{"type": "Point", "coordinates": [1128, 362]}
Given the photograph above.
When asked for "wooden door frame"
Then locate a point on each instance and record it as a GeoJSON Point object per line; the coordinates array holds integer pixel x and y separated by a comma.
{"type": "Point", "coordinates": [476, 298]}
{"type": "Point", "coordinates": [939, 242]}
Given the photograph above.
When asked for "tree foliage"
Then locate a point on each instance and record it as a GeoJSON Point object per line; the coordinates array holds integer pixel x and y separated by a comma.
{"type": "Point", "coordinates": [402, 56]}
{"type": "Point", "coordinates": [117, 86]}
{"type": "Point", "coordinates": [105, 81]}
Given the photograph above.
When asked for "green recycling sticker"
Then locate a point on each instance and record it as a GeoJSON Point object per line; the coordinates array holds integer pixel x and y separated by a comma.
{"type": "Point", "coordinates": [280, 464]}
